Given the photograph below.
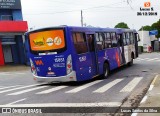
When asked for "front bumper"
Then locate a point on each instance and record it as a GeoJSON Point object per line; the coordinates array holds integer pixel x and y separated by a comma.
{"type": "Point", "coordinates": [67, 78]}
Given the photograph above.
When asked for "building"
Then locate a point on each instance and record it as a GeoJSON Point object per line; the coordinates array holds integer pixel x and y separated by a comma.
{"type": "Point", "coordinates": [146, 40]}
{"type": "Point", "coordinates": [12, 29]}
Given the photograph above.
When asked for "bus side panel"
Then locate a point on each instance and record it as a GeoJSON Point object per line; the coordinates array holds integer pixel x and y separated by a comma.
{"type": "Point", "coordinates": [114, 57]}
{"type": "Point", "coordinates": [126, 53]}
{"type": "Point", "coordinates": [84, 68]}
{"type": "Point", "coordinates": [83, 64]}
{"type": "Point", "coordinates": [100, 56]}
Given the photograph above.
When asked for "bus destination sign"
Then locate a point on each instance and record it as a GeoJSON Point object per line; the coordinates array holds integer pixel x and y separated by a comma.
{"type": "Point", "coordinates": [10, 4]}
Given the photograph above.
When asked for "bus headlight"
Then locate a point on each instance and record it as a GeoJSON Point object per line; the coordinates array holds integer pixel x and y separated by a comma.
{"type": "Point", "coordinates": [69, 64]}
{"type": "Point", "coordinates": [33, 69]}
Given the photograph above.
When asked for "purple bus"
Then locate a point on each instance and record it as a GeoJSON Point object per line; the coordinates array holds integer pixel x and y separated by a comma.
{"type": "Point", "coordinates": [66, 53]}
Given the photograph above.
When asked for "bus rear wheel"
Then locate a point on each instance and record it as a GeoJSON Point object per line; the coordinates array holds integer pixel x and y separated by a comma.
{"type": "Point", "coordinates": [131, 62]}
{"type": "Point", "coordinates": [105, 70]}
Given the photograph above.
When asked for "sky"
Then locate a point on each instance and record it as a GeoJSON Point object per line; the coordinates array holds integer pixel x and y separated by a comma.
{"type": "Point", "coordinates": [98, 13]}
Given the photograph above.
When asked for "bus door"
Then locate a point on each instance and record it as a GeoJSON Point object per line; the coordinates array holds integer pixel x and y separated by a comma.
{"type": "Point", "coordinates": [136, 43]}
{"type": "Point", "coordinates": [92, 51]}
{"type": "Point", "coordinates": [85, 56]}
{"type": "Point", "coordinates": [121, 43]}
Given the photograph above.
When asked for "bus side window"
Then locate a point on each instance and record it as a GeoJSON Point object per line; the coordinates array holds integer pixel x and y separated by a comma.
{"type": "Point", "coordinates": [108, 43]}
{"type": "Point", "coordinates": [124, 39]}
{"type": "Point", "coordinates": [99, 41]}
{"type": "Point", "coordinates": [128, 38]}
{"type": "Point", "coordinates": [80, 43]}
{"type": "Point", "coordinates": [131, 38]}
{"type": "Point", "coordinates": [74, 38]}
{"type": "Point", "coordinates": [90, 39]}
{"type": "Point", "coordinates": [119, 40]}
{"type": "Point", "coordinates": [114, 40]}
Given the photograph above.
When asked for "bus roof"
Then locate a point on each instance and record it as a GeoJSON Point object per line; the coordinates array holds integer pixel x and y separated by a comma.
{"type": "Point", "coordinates": [87, 29]}
{"type": "Point", "coordinates": [121, 30]}
{"type": "Point", "coordinates": [76, 28]}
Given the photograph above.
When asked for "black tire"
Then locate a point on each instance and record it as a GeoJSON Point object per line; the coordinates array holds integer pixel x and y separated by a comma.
{"type": "Point", "coordinates": [131, 62]}
{"type": "Point", "coordinates": [105, 70]}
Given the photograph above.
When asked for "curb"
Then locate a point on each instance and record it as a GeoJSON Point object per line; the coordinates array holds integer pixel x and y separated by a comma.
{"type": "Point", "coordinates": [145, 97]}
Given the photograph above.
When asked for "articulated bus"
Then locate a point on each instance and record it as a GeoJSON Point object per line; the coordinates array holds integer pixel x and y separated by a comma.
{"type": "Point", "coordinates": [66, 53]}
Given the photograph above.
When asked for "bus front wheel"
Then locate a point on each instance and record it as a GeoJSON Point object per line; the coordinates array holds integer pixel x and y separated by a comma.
{"type": "Point", "coordinates": [105, 70]}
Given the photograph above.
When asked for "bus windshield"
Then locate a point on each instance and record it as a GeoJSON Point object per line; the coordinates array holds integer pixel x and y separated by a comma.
{"type": "Point", "coordinates": [49, 40]}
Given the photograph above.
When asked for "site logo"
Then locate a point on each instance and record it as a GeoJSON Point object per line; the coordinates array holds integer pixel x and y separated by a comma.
{"type": "Point", "coordinates": [49, 41]}
{"type": "Point", "coordinates": [147, 10]}
{"type": "Point", "coordinates": [147, 4]}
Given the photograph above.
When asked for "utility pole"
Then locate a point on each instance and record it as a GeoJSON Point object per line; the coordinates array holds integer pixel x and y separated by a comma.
{"type": "Point", "coordinates": [81, 18]}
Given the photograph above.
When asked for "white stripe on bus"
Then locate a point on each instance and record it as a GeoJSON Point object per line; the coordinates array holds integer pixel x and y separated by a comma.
{"type": "Point", "coordinates": [75, 90]}
{"type": "Point", "coordinates": [107, 86]}
{"type": "Point", "coordinates": [131, 85]}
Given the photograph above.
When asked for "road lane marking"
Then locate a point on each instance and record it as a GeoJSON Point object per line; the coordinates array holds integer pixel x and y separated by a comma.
{"type": "Point", "coordinates": [27, 90]}
{"type": "Point", "coordinates": [18, 88]}
{"type": "Point", "coordinates": [98, 104]}
{"type": "Point", "coordinates": [9, 87]}
{"type": "Point", "coordinates": [134, 114]}
{"type": "Point", "coordinates": [52, 90]}
{"type": "Point", "coordinates": [153, 83]}
{"type": "Point", "coordinates": [131, 85]}
{"type": "Point", "coordinates": [107, 86]}
{"type": "Point", "coordinates": [11, 73]}
{"type": "Point", "coordinates": [153, 59]}
{"type": "Point", "coordinates": [143, 58]}
{"type": "Point", "coordinates": [144, 99]}
{"type": "Point", "coordinates": [151, 87]}
{"type": "Point", "coordinates": [75, 90]}
{"type": "Point", "coordinates": [17, 101]}
{"type": "Point", "coordinates": [154, 80]}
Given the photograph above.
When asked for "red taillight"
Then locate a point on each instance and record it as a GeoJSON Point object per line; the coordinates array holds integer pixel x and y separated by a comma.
{"type": "Point", "coordinates": [69, 65]}
{"type": "Point", "coordinates": [33, 68]}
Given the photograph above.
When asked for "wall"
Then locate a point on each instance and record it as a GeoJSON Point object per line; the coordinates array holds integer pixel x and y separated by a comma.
{"type": "Point", "coordinates": [20, 46]}
{"type": "Point", "coordinates": [1, 54]}
{"type": "Point", "coordinates": [17, 15]}
{"type": "Point", "coordinates": [145, 40]}
{"type": "Point", "coordinates": [5, 12]}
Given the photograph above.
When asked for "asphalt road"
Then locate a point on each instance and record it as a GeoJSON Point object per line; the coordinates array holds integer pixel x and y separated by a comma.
{"type": "Point", "coordinates": [125, 87]}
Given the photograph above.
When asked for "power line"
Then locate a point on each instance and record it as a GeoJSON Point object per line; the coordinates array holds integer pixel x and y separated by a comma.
{"type": "Point", "coordinates": [128, 2]}
{"type": "Point", "coordinates": [77, 10]}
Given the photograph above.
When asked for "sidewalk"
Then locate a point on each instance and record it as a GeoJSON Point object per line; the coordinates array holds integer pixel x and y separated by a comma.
{"type": "Point", "coordinates": [13, 68]}
{"type": "Point", "coordinates": [151, 99]}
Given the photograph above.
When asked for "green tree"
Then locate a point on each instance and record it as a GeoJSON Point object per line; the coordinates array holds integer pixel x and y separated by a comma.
{"type": "Point", "coordinates": [156, 26]}
{"type": "Point", "coordinates": [146, 28]}
{"type": "Point", "coordinates": [122, 25]}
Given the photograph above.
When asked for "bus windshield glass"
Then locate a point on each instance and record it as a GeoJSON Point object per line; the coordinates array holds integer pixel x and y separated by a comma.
{"type": "Point", "coordinates": [49, 40]}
